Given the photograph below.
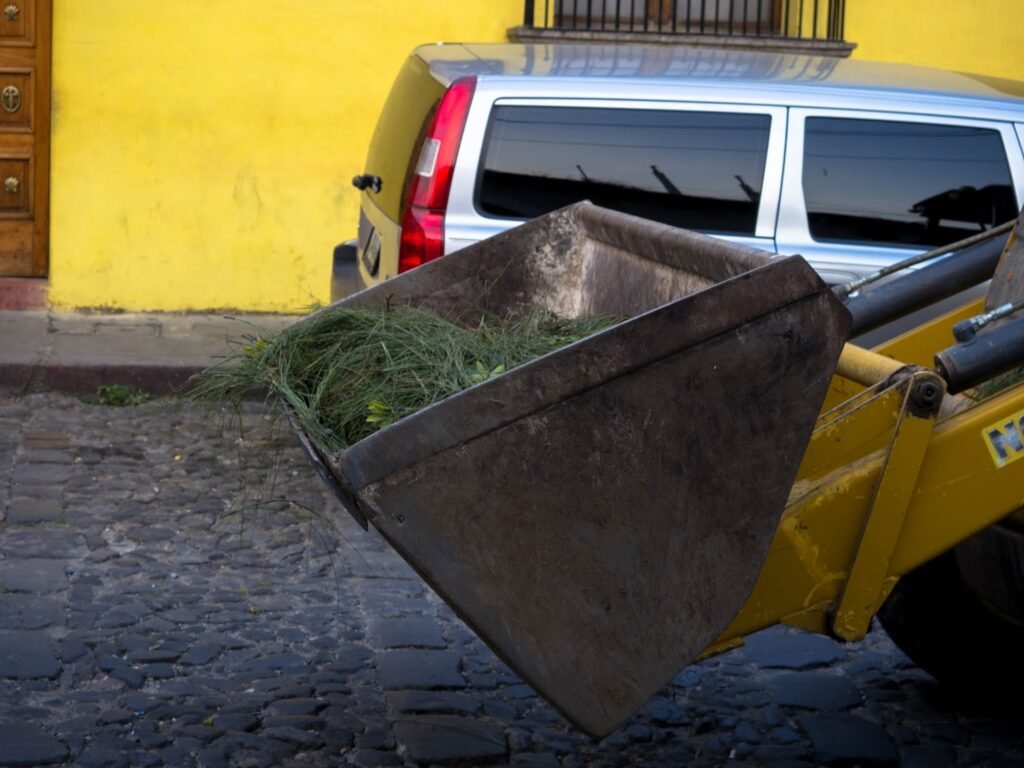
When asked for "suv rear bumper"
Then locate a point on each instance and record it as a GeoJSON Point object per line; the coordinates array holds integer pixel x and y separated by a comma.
{"type": "Point", "coordinates": [345, 274]}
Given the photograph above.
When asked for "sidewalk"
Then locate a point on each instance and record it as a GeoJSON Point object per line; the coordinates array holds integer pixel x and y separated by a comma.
{"type": "Point", "coordinates": [78, 352]}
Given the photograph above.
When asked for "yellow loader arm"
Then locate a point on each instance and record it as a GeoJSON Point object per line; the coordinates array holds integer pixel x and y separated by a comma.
{"type": "Point", "coordinates": [886, 484]}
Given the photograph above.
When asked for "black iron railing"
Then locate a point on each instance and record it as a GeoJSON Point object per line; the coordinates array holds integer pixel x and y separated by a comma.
{"type": "Point", "coordinates": [796, 19]}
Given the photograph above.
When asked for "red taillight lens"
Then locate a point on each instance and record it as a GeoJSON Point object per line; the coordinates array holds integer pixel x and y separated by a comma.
{"type": "Point", "coordinates": [423, 221]}
{"type": "Point", "coordinates": [422, 238]}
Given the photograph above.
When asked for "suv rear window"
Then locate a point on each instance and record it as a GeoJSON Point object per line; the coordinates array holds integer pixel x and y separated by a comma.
{"type": "Point", "coordinates": [903, 183]}
{"type": "Point", "coordinates": [399, 132]}
{"type": "Point", "coordinates": [700, 170]}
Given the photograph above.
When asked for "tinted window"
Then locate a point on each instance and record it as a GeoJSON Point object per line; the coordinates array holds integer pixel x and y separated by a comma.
{"type": "Point", "coordinates": [904, 183]}
{"type": "Point", "coordinates": [399, 130]}
{"type": "Point", "coordinates": [700, 170]}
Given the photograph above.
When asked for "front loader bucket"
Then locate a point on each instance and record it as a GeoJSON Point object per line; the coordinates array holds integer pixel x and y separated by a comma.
{"type": "Point", "coordinates": [599, 516]}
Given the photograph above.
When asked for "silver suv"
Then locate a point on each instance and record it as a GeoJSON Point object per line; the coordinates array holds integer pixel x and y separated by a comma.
{"type": "Point", "coordinates": [852, 164]}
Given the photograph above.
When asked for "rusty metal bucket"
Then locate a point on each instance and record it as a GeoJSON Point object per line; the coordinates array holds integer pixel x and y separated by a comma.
{"type": "Point", "coordinates": [598, 516]}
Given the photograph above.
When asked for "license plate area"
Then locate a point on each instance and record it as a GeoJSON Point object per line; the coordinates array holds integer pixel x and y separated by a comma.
{"type": "Point", "coordinates": [371, 254]}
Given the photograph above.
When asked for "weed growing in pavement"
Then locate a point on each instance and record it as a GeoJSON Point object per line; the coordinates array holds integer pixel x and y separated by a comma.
{"type": "Point", "coordinates": [120, 395]}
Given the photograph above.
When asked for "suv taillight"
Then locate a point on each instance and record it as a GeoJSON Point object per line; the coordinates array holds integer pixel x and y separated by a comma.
{"type": "Point", "coordinates": [431, 182]}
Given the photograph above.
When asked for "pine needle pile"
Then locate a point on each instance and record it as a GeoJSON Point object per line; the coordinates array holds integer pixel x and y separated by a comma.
{"type": "Point", "coordinates": [345, 373]}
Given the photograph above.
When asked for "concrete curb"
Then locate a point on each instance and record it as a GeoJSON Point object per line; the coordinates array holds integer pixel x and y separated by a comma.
{"type": "Point", "coordinates": [83, 379]}
{"type": "Point", "coordinates": [158, 353]}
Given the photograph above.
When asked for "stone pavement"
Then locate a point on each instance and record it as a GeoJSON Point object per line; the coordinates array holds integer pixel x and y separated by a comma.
{"type": "Point", "coordinates": [174, 594]}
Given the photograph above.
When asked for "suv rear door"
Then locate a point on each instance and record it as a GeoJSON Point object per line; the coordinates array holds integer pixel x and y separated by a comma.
{"type": "Point", "coordinates": [392, 152]}
{"type": "Point", "coordinates": [863, 189]}
{"type": "Point", "coordinates": [712, 167]}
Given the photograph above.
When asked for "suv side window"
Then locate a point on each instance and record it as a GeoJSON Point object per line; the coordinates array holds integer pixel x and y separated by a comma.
{"type": "Point", "coordinates": [903, 183]}
{"type": "Point", "coordinates": [699, 170]}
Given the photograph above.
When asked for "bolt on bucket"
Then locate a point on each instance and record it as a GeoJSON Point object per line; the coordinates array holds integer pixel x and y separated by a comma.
{"type": "Point", "coordinates": [598, 516]}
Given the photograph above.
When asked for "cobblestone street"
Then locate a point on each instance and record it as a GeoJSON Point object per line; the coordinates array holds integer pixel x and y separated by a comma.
{"type": "Point", "coordinates": [172, 595]}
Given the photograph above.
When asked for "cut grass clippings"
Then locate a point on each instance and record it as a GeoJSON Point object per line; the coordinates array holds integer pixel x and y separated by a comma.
{"type": "Point", "coordinates": [345, 373]}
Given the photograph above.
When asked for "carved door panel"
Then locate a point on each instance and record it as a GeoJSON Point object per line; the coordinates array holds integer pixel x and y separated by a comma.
{"type": "Point", "coordinates": [24, 136]}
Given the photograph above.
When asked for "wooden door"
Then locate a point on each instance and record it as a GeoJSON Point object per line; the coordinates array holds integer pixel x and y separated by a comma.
{"type": "Point", "coordinates": [24, 137]}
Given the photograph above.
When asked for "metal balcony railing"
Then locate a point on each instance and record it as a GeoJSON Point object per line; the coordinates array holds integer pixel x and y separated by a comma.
{"type": "Point", "coordinates": [820, 20]}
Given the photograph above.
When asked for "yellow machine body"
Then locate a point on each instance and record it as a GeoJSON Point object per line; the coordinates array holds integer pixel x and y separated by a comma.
{"type": "Point", "coordinates": [884, 487]}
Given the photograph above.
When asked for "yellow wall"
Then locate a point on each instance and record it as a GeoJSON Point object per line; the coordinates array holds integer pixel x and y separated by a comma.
{"type": "Point", "coordinates": [981, 36]}
{"type": "Point", "coordinates": [203, 151]}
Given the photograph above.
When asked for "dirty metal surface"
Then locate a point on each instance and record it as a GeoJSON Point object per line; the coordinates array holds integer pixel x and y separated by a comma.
{"type": "Point", "coordinates": [1008, 281]}
{"type": "Point", "coordinates": [599, 515]}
